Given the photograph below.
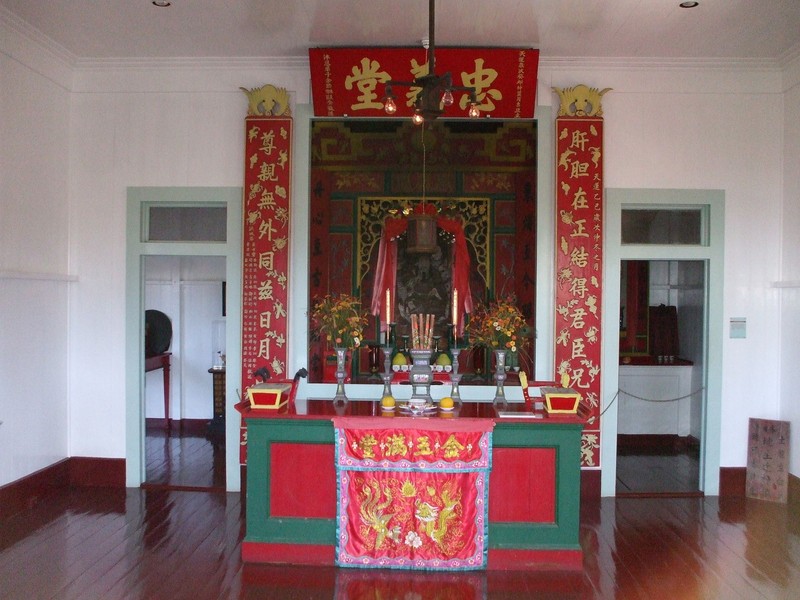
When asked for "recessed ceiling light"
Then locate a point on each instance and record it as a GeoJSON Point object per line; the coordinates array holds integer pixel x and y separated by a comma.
{"type": "Point", "coordinates": [688, 4]}
{"type": "Point", "coordinates": [162, 3]}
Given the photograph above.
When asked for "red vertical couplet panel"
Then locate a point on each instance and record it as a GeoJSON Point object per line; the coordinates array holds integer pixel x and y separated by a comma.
{"type": "Point", "coordinates": [579, 266]}
{"type": "Point", "coordinates": [265, 260]}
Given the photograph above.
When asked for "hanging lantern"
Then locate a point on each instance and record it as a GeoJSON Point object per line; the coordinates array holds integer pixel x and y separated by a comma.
{"type": "Point", "coordinates": [422, 221]}
{"type": "Point", "coordinates": [421, 233]}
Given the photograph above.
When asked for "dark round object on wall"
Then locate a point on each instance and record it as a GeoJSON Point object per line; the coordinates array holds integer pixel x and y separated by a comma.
{"type": "Point", "coordinates": [157, 332]}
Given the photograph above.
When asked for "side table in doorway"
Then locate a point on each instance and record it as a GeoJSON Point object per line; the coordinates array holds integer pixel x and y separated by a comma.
{"type": "Point", "coordinates": [153, 363]}
{"type": "Point", "coordinates": [217, 425]}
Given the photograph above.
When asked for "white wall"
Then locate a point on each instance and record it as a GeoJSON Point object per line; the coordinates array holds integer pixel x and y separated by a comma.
{"type": "Point", "coordinates": [35, 273]}
{"type": "Point", "coordinates": [181, 125]}
{"type": "Point", "coordinates": [714, 129]}
{"type": "Point", "coordinates": [790, 271]}
{"type": "Point", "coordinates": [675, 129]}
{"type": "Point", "coordinates": [184, 127]}
{"type": "Point", "coordinates": [691, 318]}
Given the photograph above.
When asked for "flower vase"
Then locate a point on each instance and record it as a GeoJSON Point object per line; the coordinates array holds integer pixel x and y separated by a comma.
{"type": "Point", "coordinates": [341, 358]}
{"type": "Point", "coordinates": [500, 402]}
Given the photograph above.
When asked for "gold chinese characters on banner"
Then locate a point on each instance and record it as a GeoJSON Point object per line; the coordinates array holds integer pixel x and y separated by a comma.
{"type": "Point", "coordinates": [352, 81]}
{"type": "Point", "coordinates": [579, 252]}
{"type": "Point", "coordinates": [265, 260]}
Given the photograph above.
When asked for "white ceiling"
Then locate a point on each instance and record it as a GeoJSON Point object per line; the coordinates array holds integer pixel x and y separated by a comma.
{"type": "Point", "coordinates": [720, 30]}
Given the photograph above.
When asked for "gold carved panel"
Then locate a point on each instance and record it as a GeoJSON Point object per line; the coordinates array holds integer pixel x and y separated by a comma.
{"type": "Point", "coordinates": [373, 211]}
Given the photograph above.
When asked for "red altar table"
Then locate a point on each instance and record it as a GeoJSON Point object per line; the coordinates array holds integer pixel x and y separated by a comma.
{"type": "Point", "coordinates": [533, 497]}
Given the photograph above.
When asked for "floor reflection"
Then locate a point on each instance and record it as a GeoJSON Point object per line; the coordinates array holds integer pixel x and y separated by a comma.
{"type": "Point", "coordinates": [290, 582]}
{"type": "Point", "coordinates": [152, 544]}
{"type": "Point", "coordinates": [188, 455]}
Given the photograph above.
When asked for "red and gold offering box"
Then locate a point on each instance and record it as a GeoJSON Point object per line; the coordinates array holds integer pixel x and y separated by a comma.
{"type": "Point", "coordinates": [560, 400]}
{"type": "Point", "coordinates": [269, 396]}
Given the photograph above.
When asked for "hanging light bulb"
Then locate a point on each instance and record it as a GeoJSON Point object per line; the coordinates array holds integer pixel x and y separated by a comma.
{"type": "Point", "coordinates": [388, 101]}
{"type": "Point", "coordinates": [474, 111]}
{"type": "Point", "coordinates": [447, 98]}
{"type": "Point", "coordinates": [434, 92]}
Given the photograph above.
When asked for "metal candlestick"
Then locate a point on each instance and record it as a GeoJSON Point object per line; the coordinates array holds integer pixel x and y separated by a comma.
{"type": "Point", "coordinates": [387, 375]}
{"type": "Point", "coordinates": [341, 357]}
{"type": "Point", "coordinates": [455, 377]}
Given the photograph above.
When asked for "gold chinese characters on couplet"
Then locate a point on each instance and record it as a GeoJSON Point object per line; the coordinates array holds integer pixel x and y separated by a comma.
{"type": "Point", "coordinates": [579, 252]}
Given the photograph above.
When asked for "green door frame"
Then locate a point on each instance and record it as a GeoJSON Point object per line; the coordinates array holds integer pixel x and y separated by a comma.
{"type": "Point", "coordinates": [139, 198]}
{"type": "Point", "coordinates": [713, 255]}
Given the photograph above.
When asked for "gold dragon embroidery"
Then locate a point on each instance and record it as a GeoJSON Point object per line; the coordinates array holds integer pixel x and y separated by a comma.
{"type": "Point", "coordinates": [373, 515]}
{"type": "Point", "coordinates": [436, 521]}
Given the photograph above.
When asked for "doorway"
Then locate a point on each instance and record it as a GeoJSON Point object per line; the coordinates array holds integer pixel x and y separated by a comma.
{"type": "Point", "coordinates": [184, 430]}
{"type": "Point", "coordinates": [198, 273]}
{"type": "Point", "coordinates": [681, 234]}
{"type": "Point", "coordinates": [661, 373]}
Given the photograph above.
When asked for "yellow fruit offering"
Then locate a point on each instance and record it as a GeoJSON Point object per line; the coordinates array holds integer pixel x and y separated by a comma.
{"type": "Point", "coordinates": [446, 402]}
{"type": "Point", "coordinates": [399, 359]}
{"type": "Point", "coordinates": [387, 402]}
{"type": "Point", "coordinates": [443, 360]}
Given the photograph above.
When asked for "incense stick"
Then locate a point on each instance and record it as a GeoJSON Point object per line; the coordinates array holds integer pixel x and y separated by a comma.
{"type": "Point", "coordinates": [422, 326]}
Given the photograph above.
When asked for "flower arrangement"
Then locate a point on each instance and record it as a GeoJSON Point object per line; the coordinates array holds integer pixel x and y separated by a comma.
{"type": "Point", "coordinates": [496, 326]}
{"type": "Point", "coordinates": [340, 319]}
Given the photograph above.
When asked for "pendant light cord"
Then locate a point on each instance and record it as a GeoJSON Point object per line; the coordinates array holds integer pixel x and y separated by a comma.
{"type": "Point", "coordinates": [424, 164]}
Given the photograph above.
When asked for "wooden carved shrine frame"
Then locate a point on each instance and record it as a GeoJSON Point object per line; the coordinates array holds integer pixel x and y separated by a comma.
{"type": "Point", "coordinates": [363, 172]}
{"type": "Point", "coordinates": [423, 284]}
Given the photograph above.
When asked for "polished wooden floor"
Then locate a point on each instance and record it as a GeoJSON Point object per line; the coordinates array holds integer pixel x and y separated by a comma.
{"type": "Point", "coordinates": [154, 544]}
{"type": "Point", "coordinates": [168, 542]}
{"type": "Point", "coordinates": [658, 470]}
{"type": "Point", "coordinates": [188, 455]}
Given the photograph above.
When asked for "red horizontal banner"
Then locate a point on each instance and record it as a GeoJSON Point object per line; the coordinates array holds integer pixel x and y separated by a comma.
{"type": "Point", "coordinates": [351, 81]}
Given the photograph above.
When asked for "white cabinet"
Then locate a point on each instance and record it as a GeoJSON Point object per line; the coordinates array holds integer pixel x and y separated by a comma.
{"type": "Point", "coordinates": [657, 382]}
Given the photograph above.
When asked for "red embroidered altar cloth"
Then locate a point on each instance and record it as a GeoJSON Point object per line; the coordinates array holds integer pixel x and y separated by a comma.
{"type": "Point", "coordinates": [412, 493]}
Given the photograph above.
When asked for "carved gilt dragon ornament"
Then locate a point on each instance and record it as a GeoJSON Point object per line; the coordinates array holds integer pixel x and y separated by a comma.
{"type": "Point", "coordinates": [580, 101]}
{"type": "Point", "coordinates": [267, 101]}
